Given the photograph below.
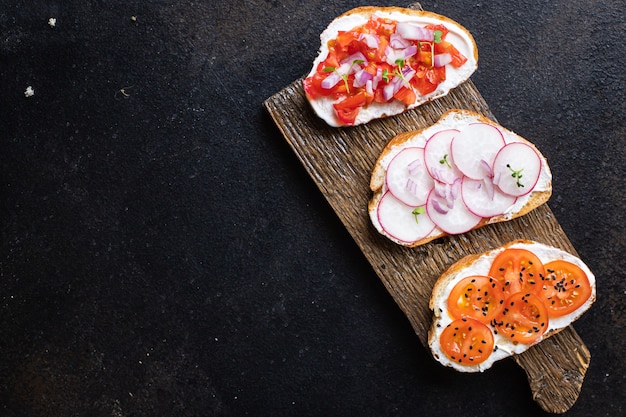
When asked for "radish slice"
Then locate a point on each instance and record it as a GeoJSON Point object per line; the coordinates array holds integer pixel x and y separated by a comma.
{"type": "Point", "coordinates": [407, 177]}
{"type": "Point", "coordinates": [483, 199]}
{"type": "Point", "coordinates": [403, 222]}
{"type": "Point", "coordinates": [476, 143]}
{"type": "Point", "coordinates": [438, 157]}
{"type": "Point", "coordinates": [516, 169]}
{"type": "Point", "coordinates": [452, 220]}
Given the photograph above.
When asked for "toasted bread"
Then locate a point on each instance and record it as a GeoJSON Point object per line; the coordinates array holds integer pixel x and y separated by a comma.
{"type": "Point", "coordinates": [453, 119]}
{"type": "Point", "coordinates": [479, 265]}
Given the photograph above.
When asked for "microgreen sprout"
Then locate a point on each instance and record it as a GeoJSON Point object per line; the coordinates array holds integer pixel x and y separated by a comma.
{"type": "Point", "coordinates": [344, 77]}
{"type": "Point", "coordinates": [437, 36]}
{"type": "Point", "coordinates": [444, 160]}
{"type": "Point", "coordinates": [516, 174]}
{"type": "Point", "coordinates": [416, 212]}
{"type": "Point", "coordinates": [400, 62]}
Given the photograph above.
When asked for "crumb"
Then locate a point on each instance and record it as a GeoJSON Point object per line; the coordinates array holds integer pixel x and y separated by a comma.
{"type": "Point", "coordinates": [52, 22]}
{"type": "Point", "coordinates": [133, 18]}
{"type": "Point", "coordinates": [30, 91]}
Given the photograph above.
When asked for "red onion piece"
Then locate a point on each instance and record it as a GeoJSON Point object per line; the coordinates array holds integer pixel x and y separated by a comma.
{"type": "Point", "coordinates": [413, 32]}
{"type": "Point", "coordinates": [371, 40]}
{"type": "Point", "coordinates": [441, 60]}
{"type": "Point", "coordinates": [358, 56]}
{"type": "Point", "coordinates": [438, 208]}
{"type": "Point", "coordinates": [361, 78]}
{"type": "Point", "coordinates": [455, 188]}
{"type": "Point", "coordinates": [441, 189]}
{"type": "Point", "coordinates": [436, 174]}
{"type": "Point", "coordinates": [412, 50]}
{"type": "Point", "coordinates": [413, 166]}
{"type": "Point", "coordinates": [408, 74]}
{"type": "Point", "coordinates": [331, 81]}
{"type": "Point", "coordinates": [411, 186]}
{"type": "Point", "coordinates": [396, 41]}
{"type": "Point", "coordinates": [487, 168]}
{"type": "Point", "coordinates": [392, 55]}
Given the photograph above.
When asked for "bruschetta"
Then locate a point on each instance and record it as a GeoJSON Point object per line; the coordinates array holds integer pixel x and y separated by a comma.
{"type": "Point", "coordinates": [375, 62]}
{"type": "Point", "coordinates": [490, 306]}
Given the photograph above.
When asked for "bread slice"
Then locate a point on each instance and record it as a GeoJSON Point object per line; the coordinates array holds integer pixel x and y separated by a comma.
{"type": "Point", "coordinates": [479, 264]}
{"type": "Point", "coordinates": [453, 119]}
{"type": "Point", "coordinates": [458, 36]}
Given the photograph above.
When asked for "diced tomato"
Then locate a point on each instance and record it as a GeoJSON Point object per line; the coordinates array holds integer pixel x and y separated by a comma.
{"type": "Point", "coordinates": [458, 59]}
{"type": "Point", "coordinates": [406, 95]}
{"type": "Point", "coordinates": [348, 108]}
{"type": "Point", "coordinates": [313, 87]}
{"type": "Point", "coordinates": [565, 288]}
{"type": "Point", "coordinates": [467, 341]}
{"type": "Point", "coordinates": [440, 27]}
{"type": "Point", "coordinates": [422, 82]}
{"type": "Point", "coordinates": [523, 319]}
{"type": "Point", "coordinates": [517, 270]}
{"type": "Point", "coordinates": [380, 26]}
{"type": "Point", "coordinates": [478, 296]}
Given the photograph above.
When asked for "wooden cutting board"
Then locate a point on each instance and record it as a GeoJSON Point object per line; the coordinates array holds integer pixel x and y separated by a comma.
{"type": "Point", "coordinates": [340, 161]}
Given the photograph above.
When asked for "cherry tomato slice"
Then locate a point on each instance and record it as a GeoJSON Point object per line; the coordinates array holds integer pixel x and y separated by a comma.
{"type": "Point", "coordinates": [466, 341]}
{"type": "Point", "coordinates": [565, 288]}
{"type": "Point", "coordinates": [523, 319]}
{"type": "Point", "coordinates": [479, 297]}
{"type": "Point", "coordinates": [517, 270]}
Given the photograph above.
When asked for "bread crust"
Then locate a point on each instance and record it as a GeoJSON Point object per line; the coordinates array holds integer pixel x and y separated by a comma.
{"type": "Point", "coordinates": [377, 180]}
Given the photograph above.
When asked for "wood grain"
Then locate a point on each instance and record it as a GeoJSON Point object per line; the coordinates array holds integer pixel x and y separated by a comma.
{"type": "Point", "coordinates": [340, 161]}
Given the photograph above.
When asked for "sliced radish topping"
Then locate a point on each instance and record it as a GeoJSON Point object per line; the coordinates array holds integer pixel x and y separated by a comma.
{"type": "Point", "coordinates": [407, 177]}
{"type": "Point", "coordinates": [516, 169]}
{"type": "Point", "coordinates": [438, 157]}
{"type": "Point", "coordinates": [402, 222]}
{"type": "Point", "coordinates": [473, 147]}
{"type": "Point", "coordinates": [452, 220]}
{"type": "Point", "coordinates": [483, 199]}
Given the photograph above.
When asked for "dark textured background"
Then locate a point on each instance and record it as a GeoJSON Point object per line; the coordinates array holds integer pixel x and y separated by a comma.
{"type": "Point", "coordinates": [164, 253]}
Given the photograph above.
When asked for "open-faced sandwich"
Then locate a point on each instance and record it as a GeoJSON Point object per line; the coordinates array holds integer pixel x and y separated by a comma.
{"type": "Point", "coordinates": [500, 303]}
{"type": "Point", "coordinates": [381, 61]}
{"type": "Point", "coordinates": [461, 173]}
